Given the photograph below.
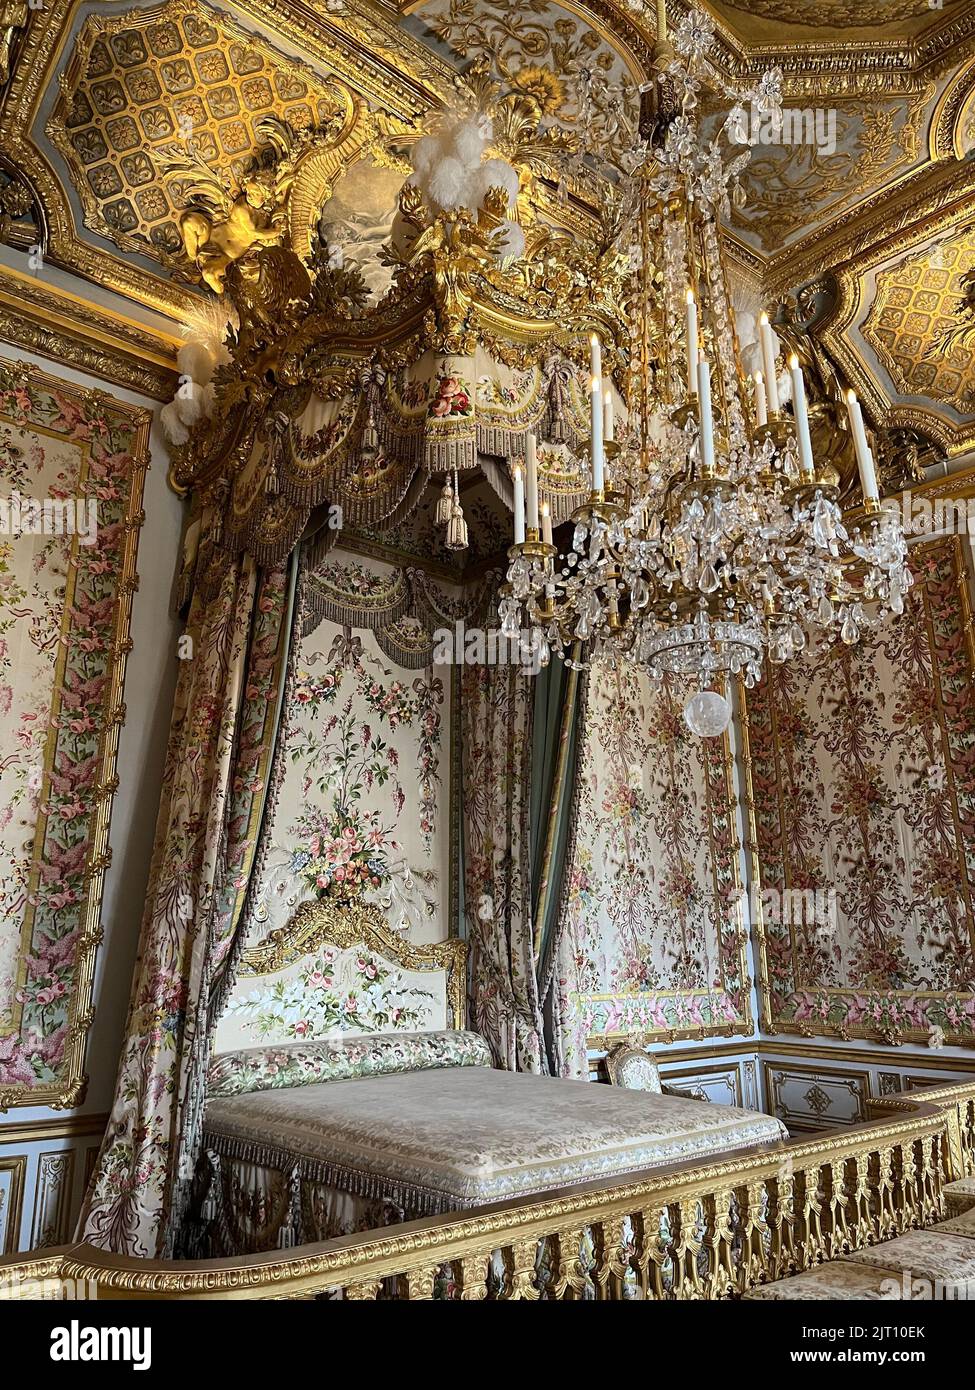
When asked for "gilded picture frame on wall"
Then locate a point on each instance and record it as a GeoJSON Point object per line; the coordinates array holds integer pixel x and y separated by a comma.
{"type": "Point", "coordinates": [72, 467]}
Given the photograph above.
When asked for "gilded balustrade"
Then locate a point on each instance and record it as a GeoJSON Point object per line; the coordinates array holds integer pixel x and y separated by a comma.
{"type": "Point", "coordinates": [691, 1231]}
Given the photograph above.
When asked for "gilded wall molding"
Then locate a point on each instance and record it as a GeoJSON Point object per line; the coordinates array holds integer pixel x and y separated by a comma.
{"type": "Point", "coordinates": [23, 1132]}
{"type": "Point", "coordinates": [53, 323]}
{"type": "Point", "coordinates": [13, 1179]}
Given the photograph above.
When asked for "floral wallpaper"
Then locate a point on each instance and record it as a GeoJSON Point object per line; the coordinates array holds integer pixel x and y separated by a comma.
{"type": "Point", "coordinates": [71, 467]}
{"type": "Point", "coordinates": [653, 938]}
{"type": "Point", "coordinates": [863, 779]}
{"type": "Point", "coordinates": [359, 818]}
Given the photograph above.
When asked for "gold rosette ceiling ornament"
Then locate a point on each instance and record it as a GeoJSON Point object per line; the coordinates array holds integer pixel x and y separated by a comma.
{"type": "Point", "coordinates": [712, 538]}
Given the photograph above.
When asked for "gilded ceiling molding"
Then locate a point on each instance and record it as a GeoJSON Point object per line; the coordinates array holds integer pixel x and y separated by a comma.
{"type": "Point", "coordinates": [950, 134]}
{"type": "Point", "coordinates": [60, 326]}
{"type": "Point", "coordinates": [925, 202]}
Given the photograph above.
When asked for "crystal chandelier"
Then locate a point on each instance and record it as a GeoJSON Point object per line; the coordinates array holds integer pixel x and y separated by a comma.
{"type": "Point", "coordinates": [712, 538]}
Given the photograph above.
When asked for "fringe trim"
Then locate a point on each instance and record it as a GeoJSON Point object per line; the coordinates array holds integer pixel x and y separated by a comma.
{"type": "Point", "coordinates": [448, 454]}
{"type": "Point", "coordinates": [410, 658]}
{"type": "Point", "coordinates": [417, 1200]}
{"type": "Point", "coordinates": [326, 603]}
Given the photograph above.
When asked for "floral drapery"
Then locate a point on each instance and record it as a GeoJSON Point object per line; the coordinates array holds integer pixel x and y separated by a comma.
{"type": "Point", "coordinates": [222, 735]}
{"type": "Point", "coordinates": [496, 732]}
{"type": "Point", "coordinates": [862, 765]}
{"type": "Point", "coordinates": [652, 939]}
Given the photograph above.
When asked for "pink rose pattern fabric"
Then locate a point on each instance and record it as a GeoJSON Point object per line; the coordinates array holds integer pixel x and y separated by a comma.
{"type": "Point", "coordinates": [863, 767]}
{"type": "Point", "coordinates": [58, 632]}
{"type": "Point", "coordinates": [654, 937]}
{"type": "Point", "coordinates": [217, 763]}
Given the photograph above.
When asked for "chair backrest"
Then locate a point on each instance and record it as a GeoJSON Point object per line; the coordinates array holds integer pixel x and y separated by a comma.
{"type": "Point", "coordinates": [633, 1068]}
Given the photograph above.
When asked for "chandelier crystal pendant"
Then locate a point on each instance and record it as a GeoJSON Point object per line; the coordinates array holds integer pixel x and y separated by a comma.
{"type": "Point", "coordinates": [712, 539]}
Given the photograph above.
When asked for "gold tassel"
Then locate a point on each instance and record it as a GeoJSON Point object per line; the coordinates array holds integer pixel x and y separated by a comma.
{"type": "Point", "coordinates": [456, 529]}
{"type": "Point", "coordinates": [445, 505]}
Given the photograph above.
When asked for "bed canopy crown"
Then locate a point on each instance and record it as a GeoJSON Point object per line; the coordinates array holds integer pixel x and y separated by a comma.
{"type": "Point", "coordinates": [319, 396]}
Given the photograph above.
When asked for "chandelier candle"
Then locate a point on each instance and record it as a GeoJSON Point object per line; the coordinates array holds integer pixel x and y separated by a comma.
{"type": "Point", "coordinates": [595, 357]}
{"type": "Point", "coordinates": [546, 523]}
{"type": "Point", "coordinates": [518, 483]}
{"type": "Point", "coordinates": [768, 362]}
{"type": "Point", "coordinates": [761, 404]}
{"type": "Point", "coordinates": [596, 422]}
{"type": "Point", "coordinates": [531, 472]}
{"type": "Point", "coordinates": [707, 420]}
{"type": "Point", "coordinates": [691, 343]}
{"type": "Point", "coordinates": [802, 417]}
{"type": "Point", "coordinates": [609, 412]}
{"type": "Point", "coordinates": [868, 475]}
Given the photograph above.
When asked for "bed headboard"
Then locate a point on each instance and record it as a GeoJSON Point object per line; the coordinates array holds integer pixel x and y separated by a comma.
{"type": "Point", "coordinates": [339, 969]}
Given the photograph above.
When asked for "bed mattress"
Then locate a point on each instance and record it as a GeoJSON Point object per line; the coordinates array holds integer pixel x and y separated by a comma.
{"type": "Point", "coordinates": [436, 1141]}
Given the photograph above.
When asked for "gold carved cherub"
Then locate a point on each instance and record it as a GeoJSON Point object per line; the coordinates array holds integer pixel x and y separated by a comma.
{"type": "Point", "coordinates": [222, 219]}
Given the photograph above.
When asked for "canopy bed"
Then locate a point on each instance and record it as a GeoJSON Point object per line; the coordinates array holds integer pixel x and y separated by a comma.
{"type": "Point", "coordinates": [304, 1141]}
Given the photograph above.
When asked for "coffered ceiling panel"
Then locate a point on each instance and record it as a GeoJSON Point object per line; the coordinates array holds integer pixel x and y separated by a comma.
{"type": "Point", "coordinates": [914, 327]}
{"type": "Point", "coordinates": [142, 86]}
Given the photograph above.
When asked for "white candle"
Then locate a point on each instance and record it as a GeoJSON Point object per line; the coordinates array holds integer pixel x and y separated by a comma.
{"type": "Point", "coordinates": [691, 331]}
{"type": "Point", "coordinates": [595, 356]}
{"type": "Point", "coordinates": [868, 475]}
{"type": "Point", "coordinates": [802, 417]}
{"type": "Point", "coordinates": [547, 538]}
{"type": "Point", "coordinates": [596, 422]}
{"type": "Point", "coordinates": [768, 362]}
{"type": "Point", "coordinates": [609, 411]}
{"type": "Point", "coordinates": [704, 408]}
{"type": "Point", "coordinates": [761, 405]}
{"type": "Point", "coordinates": [518, 482]}
{"type": "Point", "coordinates": [531, 472]}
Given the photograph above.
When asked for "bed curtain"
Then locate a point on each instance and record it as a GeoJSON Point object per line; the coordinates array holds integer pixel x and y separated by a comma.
{"type": "Point", "coordinates": [519, 734]}
{"type": "Point", "coordinates": [229, 695]}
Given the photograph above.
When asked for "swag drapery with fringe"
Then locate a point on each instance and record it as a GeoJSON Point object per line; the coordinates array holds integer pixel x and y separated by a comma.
{"type": "Point", "coordinates": [229, 696]}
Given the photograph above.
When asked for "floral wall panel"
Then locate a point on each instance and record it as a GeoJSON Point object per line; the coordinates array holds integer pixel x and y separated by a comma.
{"type": "Point", "coordinates": [863, 780]}
{"type": "Point", "coordinates": [360, 817]}
{"type": "Point", "coordinates": [654, 941]}
{"type": "Point", "coordinates": [71, 474]}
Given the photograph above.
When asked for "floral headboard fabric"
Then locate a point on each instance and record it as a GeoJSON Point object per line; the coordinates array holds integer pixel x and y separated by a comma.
{"type": "Point", "coordinates": [332, 972]}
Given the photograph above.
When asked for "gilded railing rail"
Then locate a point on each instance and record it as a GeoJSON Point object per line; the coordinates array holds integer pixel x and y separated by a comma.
{"type": "Point", "coordinates": [695, 1230]}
